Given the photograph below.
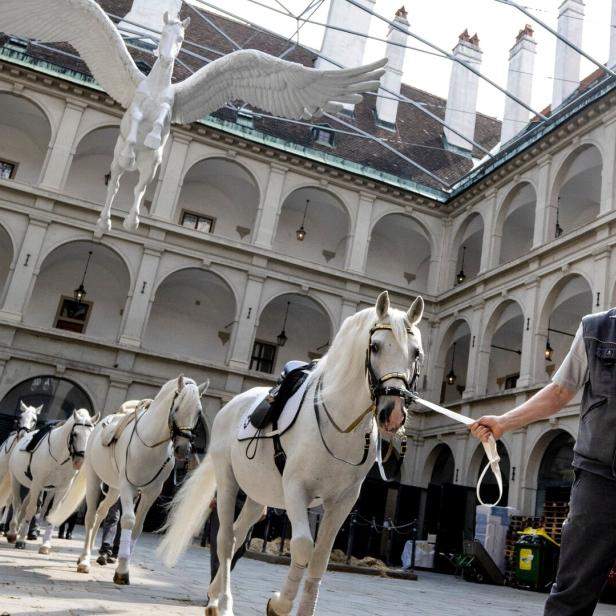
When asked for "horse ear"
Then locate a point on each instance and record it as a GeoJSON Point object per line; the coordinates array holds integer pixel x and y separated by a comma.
{"type": "Point", "coordinates": [22, 407]}
{"type": "Point", "coordinates": [415, 312]}
{"type": "Point", "coordinates": [203, 387]}
{"type": "Point", "coordinates": [38, 409]}
{"type": "Point", "coordinates": [180, 383]}
{"type": "Point", "coordinates": [166, 17]}
{"type": "Point", "coordinates": [382, 305]}
{"type": "Point", "coordinates": [95, 418]}
{"type": "Point", "coordinates": [186, 23]}
{"type": "Point", "coordinates": [75, 414]}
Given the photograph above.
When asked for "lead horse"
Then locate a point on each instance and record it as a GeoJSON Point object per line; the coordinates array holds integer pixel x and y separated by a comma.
{"type": "Point", "coordinates": [372, 364]}
{"type": "Point", "coordinates": [136, 461]}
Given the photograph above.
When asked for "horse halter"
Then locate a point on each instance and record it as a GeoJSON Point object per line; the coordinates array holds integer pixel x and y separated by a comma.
{"type": "Point", "coordinates": [175, 431]}
{"type": "Point", "coordinates": [377, 385]}
{"type": "Point", "coordinates": [74, 453]}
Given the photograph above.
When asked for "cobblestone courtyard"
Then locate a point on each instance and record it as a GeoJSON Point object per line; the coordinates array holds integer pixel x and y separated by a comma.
{"type": "Point", "coordinates": [34, 584]}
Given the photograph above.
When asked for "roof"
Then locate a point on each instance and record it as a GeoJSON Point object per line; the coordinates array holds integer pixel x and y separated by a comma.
{"type": "Point", "coordinates": [417, 136]}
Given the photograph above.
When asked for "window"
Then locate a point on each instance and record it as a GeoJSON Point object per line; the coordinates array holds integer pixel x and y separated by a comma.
{"type": "Point", "coordinates": [322, 136]}
{"type": "Point", "coordinates": [73, 316]}
{"type": "Point", "coordinates": [17, 44]}
{"type": "Point", "coordinates": [263, 357]}
{"type": "Point", "coordinates": [245, 118]}
{"type": "Point", "coordinates": [7, 170]}
{"type": "Point", "coordinates": [205, 224]}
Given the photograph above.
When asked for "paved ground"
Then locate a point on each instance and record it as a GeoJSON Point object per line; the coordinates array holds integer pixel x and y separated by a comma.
{"type": "Point", "coordinates": [34, 584]}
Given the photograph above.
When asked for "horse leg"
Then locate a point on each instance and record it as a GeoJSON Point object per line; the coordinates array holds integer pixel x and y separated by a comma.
{"type": "Point", "coordinates": [145, 502]}
{"type": "Point", "coordinates": [93, 492]}
{"type": "Point", "coordinates": [154, 138]}
{"type": "Point", "coordinates": [127, 496]}
{"type": "Point", "coordinates": [126, 155]}
{"type": "Point", "coordinates": [103, 224]}
{"type": "Point", "coordinates": [28, 511]}
{"type": "Point", "coordinates": [11, 535]}
{"type": "Point", "coordinates": [302, 545]}
{"type": "Point", "coordinates": [251, 511]}
{"type": "Point", "coordinates": [335, 514]}
{"type": "Point", "coordinates": [46, 543]}
{"type": "Point", "coordinates": [101, 514]}
{"type": "Point", "coordinates": [148, 165]}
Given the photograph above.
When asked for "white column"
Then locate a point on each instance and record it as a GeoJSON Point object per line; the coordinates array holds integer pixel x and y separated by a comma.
{"type": "Point", "coordinates": [61, 155]}
{"type": "Point", "coordinates": [609, 167]}
{"type": "Point", "coordinates": [602, 280]}
{"type": "Point", "coordinates": [488, 229]}
{"type": "Point", "coordinates": [546, 207]}
{"type": "Point", "coordinates": [360, 240]}
{"type": "Point", "coordinates": [528, 358]}
{"type": "Point", "coordinates": [24, 274]}
{"type": "Point", "coordinates": [243, 332]}
{"type": "Point", "coordinates": [142, 296]}
{"type": "Point", "coordinates": [116, 395]}
{"type": "Point", "coordinates": [171, 183]}
{"type": "Point", "coordinates": [567, 62]}
{"type": "Point", "coordinates": [612, 61]}
{"type": "Point", "coordinates": [518, 459]}
{"type": "Point", "coordinates": [149, 13]}
{"type": "Point", "coordinates": [461, 108]}
{"type": "Point", "coordinates": [520, 83]}
{"type": "Point", "coordinates": [348, 309]}
{"type": "Point", "coordinates": [386, 104]}
{"type": "Point", "coordinates": [472, 371]}
{"type": "Point", "coordinates": [269, 210]}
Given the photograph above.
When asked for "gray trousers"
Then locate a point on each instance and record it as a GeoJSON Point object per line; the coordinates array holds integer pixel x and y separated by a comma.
{"type": "Point", "coordinates": [588, 547]}
{"type": "Point", "coordinates": [110, 540]}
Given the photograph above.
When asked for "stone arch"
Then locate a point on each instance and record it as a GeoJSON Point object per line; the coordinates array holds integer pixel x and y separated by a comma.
{"type": "Point", "coordinates": [467, 246]}
{"type": "Point", "coordinates": [25, 136]}
{"type": "Point", "coordinates": [326, 220]}
{"type": "Point", "coordinates": [502, 344]}
{"type": "Point", "coordinates": [577, 188]}
{"type": "Point", "coordinates": [308, 330]}
{"type": "Point", "coordinates": [192, 314]}
{"type": "Point", "coordinates": [569, 299]}
{"type": "Point", "coordinates": [7, 254]}
{"type": "Point", "coordinates": [220, 190]}
{"type": "Point", "coordinates": [400, 251]}
{"type": "Point", "coordinates": [458, 333]}
{"type": "Point", "coordinates": [107, 282]}
{"type": "Point", "coordinates": [515, 223]}
{"type": "Point", "coordinates": [557, 443]}
{"type": "Point", "coordinates": [439, 466]}
{"type": "Point", "coordinates": [87, 175]}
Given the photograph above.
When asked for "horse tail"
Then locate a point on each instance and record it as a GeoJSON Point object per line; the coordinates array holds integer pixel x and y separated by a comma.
{"type": "Point", "coordinates": [72, 498]}
{"type": "Point", "coordinates": [189, 510]}
{"type": "Point", "coordinates": [5, 489]}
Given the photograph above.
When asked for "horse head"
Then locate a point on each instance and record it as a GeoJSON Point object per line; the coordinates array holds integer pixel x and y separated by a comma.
{"type": "Point", "coordinates": [184, 414]}
{"type": "Point", "coordinates": [26, 422]}
{"type": "Point", "coordinates": [393, 360]}
{"type": "Point", "coordinates": [82, 426]}
{"type": "Point", "coordinates": [171, 38]}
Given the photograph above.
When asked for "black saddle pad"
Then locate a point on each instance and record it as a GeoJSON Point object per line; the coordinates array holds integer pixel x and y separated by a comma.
{"type": "Point", "coordinates": [270, 409]}
{"type": "Point", "coordinates": [38, 436]}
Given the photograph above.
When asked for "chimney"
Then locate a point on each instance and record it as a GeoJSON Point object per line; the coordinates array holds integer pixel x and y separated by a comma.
{"type": "Point", "coordinates": [386, 108]}
{"type": "Point", "coordinates": [461, 109]}
{"type": "Point", "coordinates": [612, 61]}
{"type": "Point", "coordinates": [567, 64]}
{"type": "Point", "coordinates": [149, 14]}
{"type": "Point", "coordinates": [344, 48]}
{"type": "Point", "coordinates": [519, 83]}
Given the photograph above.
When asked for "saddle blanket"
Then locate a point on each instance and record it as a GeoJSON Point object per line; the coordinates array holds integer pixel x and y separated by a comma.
{"type": "Point", "coordinates": [287, 418]}
{"type": "Point", "coordinates": [114, 425]}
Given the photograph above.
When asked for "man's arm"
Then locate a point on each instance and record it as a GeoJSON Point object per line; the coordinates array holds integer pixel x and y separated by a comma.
{"type": "Point", "coordinates": [546, 402]}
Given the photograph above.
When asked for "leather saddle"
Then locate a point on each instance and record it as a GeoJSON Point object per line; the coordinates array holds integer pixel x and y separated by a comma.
{"type": "Point", "coordinates": [290, 380]}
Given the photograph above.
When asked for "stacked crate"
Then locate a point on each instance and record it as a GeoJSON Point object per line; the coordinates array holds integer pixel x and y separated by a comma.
{"type": "Point", "coordinates": [517, 524]}
{"type": "Point", "coordinates": [555, 513]}
{"type": "Point", "coordinates": [491, 528]}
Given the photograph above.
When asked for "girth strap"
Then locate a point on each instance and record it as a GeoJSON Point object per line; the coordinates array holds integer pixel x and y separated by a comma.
{"type": "Point", "coordinates": [489, 447]}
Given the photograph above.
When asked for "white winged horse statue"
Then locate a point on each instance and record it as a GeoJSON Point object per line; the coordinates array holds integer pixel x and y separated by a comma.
{"type": "Point", "coordinates": [372, 364]}
{"type": "Point", "coordinates": [283, 88]}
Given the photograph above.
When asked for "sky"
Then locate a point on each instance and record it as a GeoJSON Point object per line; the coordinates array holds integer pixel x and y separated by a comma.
{"type": "Point", "coordinates": [441, 21]}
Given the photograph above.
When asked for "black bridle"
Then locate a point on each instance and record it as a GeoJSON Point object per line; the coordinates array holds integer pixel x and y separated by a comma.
{"type": "Point", "coordinates": [73, 452]}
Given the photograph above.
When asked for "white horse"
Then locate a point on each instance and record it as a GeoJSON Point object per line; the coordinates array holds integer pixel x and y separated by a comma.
{"type": "Point", "coordinates": [26, 422]}
{"type": "Point", "coordinates": [372, 364]}
{"type": "Point", "coordinates": [46, 469]}
{"type": "Point", "coordinates": [137, 463]}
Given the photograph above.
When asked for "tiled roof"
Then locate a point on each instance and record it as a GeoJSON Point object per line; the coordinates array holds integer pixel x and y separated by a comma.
{"type": "Point", "coordinates": [417, 136]}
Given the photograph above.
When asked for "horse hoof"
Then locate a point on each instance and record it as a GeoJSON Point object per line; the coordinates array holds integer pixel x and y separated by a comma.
{"type": "Point", "coordinates": [103, 225]}
{"type": "Point", "coordinates": [45, 550]}
{"type": "Point", "coordinates": [121, 579]}
{"type": "Point", "coordinates": [270, 610]}
{"type": "Point", "coordinates": [11, 538]}
{"type": "Point", "coordinates": [211, 611]}
{"type": "Point", "coordinates": [83, 568]}
{"type": "Point", "coordinates": [20, 545]}
{"type": "Point", "coordinates": [131, 223]}
{"type": "Point", "coordinates": [152, 141]}
{"type": "Point", "coordinates": [102, 560]}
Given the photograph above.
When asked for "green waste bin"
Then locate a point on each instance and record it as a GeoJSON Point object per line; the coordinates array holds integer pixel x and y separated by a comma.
{"type": "Point", "coordinates": [536, 558]}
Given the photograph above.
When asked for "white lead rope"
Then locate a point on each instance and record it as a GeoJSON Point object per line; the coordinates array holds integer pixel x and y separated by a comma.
{"type": "Point", "coordinates": [489, 446]}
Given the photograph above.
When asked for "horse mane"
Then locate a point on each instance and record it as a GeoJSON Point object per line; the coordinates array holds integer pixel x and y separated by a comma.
{"type": "Point", "coordinates": [343, 367]}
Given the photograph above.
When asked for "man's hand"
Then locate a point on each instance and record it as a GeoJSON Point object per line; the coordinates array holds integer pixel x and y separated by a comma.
{"type": "Point", "coordinates": [486, 426]}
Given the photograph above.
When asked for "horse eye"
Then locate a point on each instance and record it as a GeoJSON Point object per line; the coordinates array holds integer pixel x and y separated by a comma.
{"type": "Point", "coordinates": [374, 347]}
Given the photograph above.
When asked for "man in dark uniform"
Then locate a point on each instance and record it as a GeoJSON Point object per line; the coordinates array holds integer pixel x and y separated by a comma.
{"type": "Point", "coordinates": [588, 548]}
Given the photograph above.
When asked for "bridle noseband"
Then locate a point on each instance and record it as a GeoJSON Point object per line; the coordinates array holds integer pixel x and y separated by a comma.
{"type": "Point", "coordinates": [74, 453]}
{"type": "Point", "coordinates": [175, 431]}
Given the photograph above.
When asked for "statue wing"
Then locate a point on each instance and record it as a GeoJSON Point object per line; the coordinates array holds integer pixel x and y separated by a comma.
{"type": "Point", "coordinates": [84, 25]}
{"type": "Point", "coordinates": [277, 86]}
